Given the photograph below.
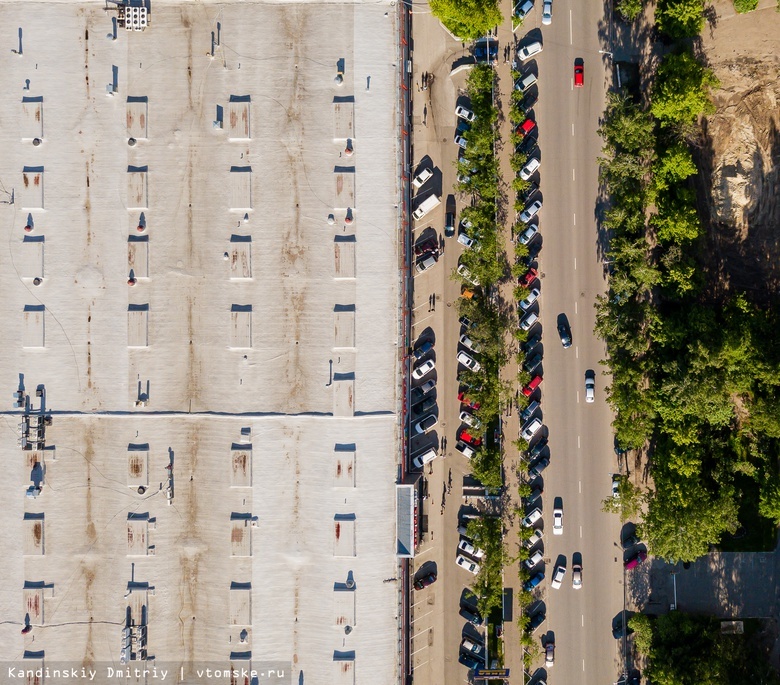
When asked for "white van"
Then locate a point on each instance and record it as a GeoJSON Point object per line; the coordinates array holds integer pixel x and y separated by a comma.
{"type": "Point", "coordinates": [525, 83]}
{"type": "Point", "coordinates": [422, 459]}
{"type": "Point", "coordinates": [426, 206]}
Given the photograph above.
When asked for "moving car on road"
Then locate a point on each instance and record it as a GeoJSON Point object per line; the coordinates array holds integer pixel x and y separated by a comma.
{"type": "Point", "coordinates": [590, 386]}
{"type": "Point", "coordinates": [564, 332]}
{"type": "Point", "coordinates": [579, 73]}
{"type": "Point", "coordinates": [576, 576]}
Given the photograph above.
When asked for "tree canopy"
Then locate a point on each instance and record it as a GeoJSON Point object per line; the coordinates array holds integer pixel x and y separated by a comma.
{"type": "Point", "coordinates": [467, 19]}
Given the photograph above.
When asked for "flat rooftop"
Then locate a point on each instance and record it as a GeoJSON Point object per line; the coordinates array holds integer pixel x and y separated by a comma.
{"type": "Point", "coordinates": [201, 280]}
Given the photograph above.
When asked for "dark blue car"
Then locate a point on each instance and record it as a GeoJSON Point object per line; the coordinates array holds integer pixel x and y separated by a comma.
{"type": "Point", "coordinates": [533, 582]}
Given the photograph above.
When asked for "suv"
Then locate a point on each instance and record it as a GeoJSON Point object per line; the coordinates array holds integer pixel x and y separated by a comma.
{"type": "Point", "coordinates": [530, 429]}
{"type": "Point", "coordinates": [466, 450]}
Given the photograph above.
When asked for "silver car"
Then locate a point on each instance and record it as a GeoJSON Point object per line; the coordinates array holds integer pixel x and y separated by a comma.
{"type": "Point", "coordinates": [547, 12]}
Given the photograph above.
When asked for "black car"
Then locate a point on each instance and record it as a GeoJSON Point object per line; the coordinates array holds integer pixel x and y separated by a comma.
{"type": "Point", "coordinates": [424, 406]}
{"type": "Point", "coordinates": [449, 224]}
{"type": "Point", "coordinates": [630, 541]}
{"type": "Point", "coordinates": [469, 661]}
{"type": "Point", "coordinates": [534, 249]}
{"type": "Point", "coordinates": [470, 615]}
{"type": "Point", "coordinates": [531, 190]}
{"type": "Point", "coordinates": [536, 450]}
{"type": "Point", "coordinates": [425, 581]}
{"type": "Point", "coordinates": [617, 630]}
{"type": "Point", "coordinates": [536, 620]}
{"type": "Point", "coordinates": [428, 245]}
{"type": "Point", "coordinates": [418, 395]}
{"type": "Point", "coordinates": [529, 344]}
{"type": "Point", "coordinates": [486, 51]}
{"type": "Point", "coordinates": [565, 334]}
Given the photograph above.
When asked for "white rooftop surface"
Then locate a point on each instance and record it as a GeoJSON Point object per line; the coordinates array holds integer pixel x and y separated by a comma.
{"type": "Point", "coordinates": [311, 373]}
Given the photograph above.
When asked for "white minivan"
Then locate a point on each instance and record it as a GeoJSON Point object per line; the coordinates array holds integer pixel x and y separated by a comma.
{"type": "Point", "coordinates": [422, 459]}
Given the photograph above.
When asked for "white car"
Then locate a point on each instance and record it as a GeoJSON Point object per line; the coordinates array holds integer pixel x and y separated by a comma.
{"type": "Point", "coordinates": [426, 263]}
{"type": "Point", "coordinates": [529, 51]}
{"type": "Point", "coordinates": [530, 211]}
{"type": "Point", "coordinates": [424, 369]}
{"type": "Point", "coordinates": [576, 576]}
{"type": "Point", "coordinates": [560, 572]}
{"type": "Point", "coordinates": [466, 450]}
{"type": "Point", "coordinates": [532, 518]}
{"type": "Point", "coordinates": [530, 429]}
{"type": "Point", "coordinates": [466, 274]}
{"type": "Point", "coordinates": [460, 140]}
{"type": "Point", "coordinates": [470, 566]}
{"type": "Point", "coordinates": [557, 521]}
{"type": "Point", "coordinates": [465, 546]}
{"type": "Point", "coordinates": [528, 235]}
{"type": "Point", "coordinates": [468, 342]}
{"type": "Point", "coordinates": [590, 386]}
{"type": "Point", "coordinates": [470, 420]}
{"type": "Point", "coordinates": [523, 8]}
{"type": "Point", "coordinates": [529, 320]}
{"type": "Point", "coordinates": [530, 168]}
{"type": "Point", "coordinates": [547, 12]}
{"type": "Point", "coordinates": [422, 459]}
{"type": "Point", "coordinates": [616, 487]}
{"type": "Point", "coordinates": [419, 180]}
{"type": "Point", "coordinates": [465, 114]}
{"type": "Point", "coordinates": [425, 424]}
{"type": "Point", "coordinates": [535, 558]}
{"type": "Point", "coordinates": [463, 239]}
{"type": "Point", "coordinates": [532, 297]}
{"type": "Point", "coordinates": [468, 361]}
{"type": "Point", "coordinates": [530, 542]}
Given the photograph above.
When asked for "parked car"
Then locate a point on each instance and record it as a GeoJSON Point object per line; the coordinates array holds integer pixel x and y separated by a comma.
{"type": "Point", "coordinates": [429, 245]}
{"type": "Point", "coordinates": [449, 224]}
{"type": "Point", "coordinates": [467, 548]}
{"type": "Point", "coordinates": [576, 576]}
{"type": "Point", "coordinates": [530, 429]}
{"type": "Point", "coordinates": [536, 450]}
{"type": "Point", "coordinates": [530, 168]}
{"type": "Point", "coordinates": [532, 582]}
{"type": "Point", "coordinates": [424, 425]}
{"type": "Point", "coordinates": [590, 386]}
{"type": "Point", "coordinates": [422, 459]}
{"type": "Point", "coordinates": [418, 394]}
{"type": "Point", "coordinates": [635, 560]}
{"type": "Point", "coordinates": [535, 537]}
{"type": "Point", "coordinates": [529, 191]}
{"type": "Point", "coordinates": [529, 320]}
{"type": "Point", "coordinates": [532, 518]}
{"type": "Point", "coordinates": [530, 410]}
{"type": "Point", "coordinates": [469, 343]}
{"type": "Point", "coordinates": [465, 114]}
{"type": "Point", "coordinates": [463, 239]}
{"type": "Point", "coordinates": [532, 342]}
{"type": "Point", "coordinates": [558, 575]}
{"type": "Point", "coordinates": [470, 566]}
{"type": "Point", "coordinates": [630, 541]}
{"type": "Point", "coordinates": [528, 234]}
{"type": "Point", "coordinates": [421, 350]}
{"type": "Point", "coordinates": [528, 390]}
{"type": "Point", "coordinates": [522, 8]}
{"type": "Point", "coordinates": [464, 399]}
{"type": "Point", "coordinates": [525, 128]}
{"type": "Point", "coordinates": [529, 277]}
{"type": "Point", "coordinates": [530, 211]}
{"type": "Point", "coordinates": [557, 521]}
{"type": "Point", "coordinates": [460, 141]}
{"type": "Point", "coordinates": [486, 50]}
{"type": "Point", "coordinates": [532, 363]}
{"type": "Point", "coordinates": [468, 361]}
{"type": "Point", "coordinates": [422, 407]}
{"type": "Point", "coordinates": [470, 420]}
{"type": "Point", "coordinates": [426, 262]}
{"type": "Point", "coordinates": [470, 614]}
{"type": "Point", "coordinates": [579, 73]}
{"type": "Point", "coordinates": [469, 660]}
{"type": "Point", "coordinates": [473, 646]}
{"type": "Point", "coordinates": [464, 436]}
{"type": "Point", "coordinates": [547, 12]}
{"type": "Point", "coordinates": [529, 51]}
{"type": "Point", "coordinates": [536, 621]}
{"type": "Point", "coordinates": [536, 470]}
{"type": "Point", "coordinates": [615, 486]}
{"type": "Point", "coordinates": [528, 302]}
{"type": "Point", "coordinates": [534, 559]}
{"type": "Point", "coordinates": [466, 450]}
{"type": "Point", "coordinates": [425, 581]}
{"type": "Point", "coordinates": [423, 369]}
{"type": "Point", "coordinates": [534, 497]}
{"type": "Point", "coordinates": [466, 274]}
{"type": "Point", "coordinates": [419, 180]}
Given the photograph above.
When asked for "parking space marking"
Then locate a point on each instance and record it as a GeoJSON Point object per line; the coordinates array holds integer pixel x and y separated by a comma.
{"type": "Point", "coordinates": [423, 616]}
{"type": "Point", "coordinates": [420, 650]}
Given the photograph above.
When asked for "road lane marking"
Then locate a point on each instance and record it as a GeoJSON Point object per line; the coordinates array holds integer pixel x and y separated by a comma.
{"type": "Point", "coordinates": [580, 538]}
{"type": "Point", "coordinates": [575, 308]}
{"type": "Point", "coordinates": [580, 482]}
{"type": "Point", "coordinates": [583, 620]}
{"type": "Point", "coordinates": [575, 263]}
{"type": "Point", "coordinates": [574, 219]}
{"type": "Point", "coordinates": [578, 437]}
{"type": "Point", "coordinates": [573, 176]}
{"type": "Point", "coordinates": [571, 39]}
{"type": "Point", "coordinates": [577, 352]}
{"type": "Point", "coordinates": [583, 665]}
{"type": "Point", "coordinates": [572, 129]}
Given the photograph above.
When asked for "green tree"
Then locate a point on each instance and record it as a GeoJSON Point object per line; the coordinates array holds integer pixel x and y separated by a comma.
{"type": "Point", "coordinates": [680, 18]}
{"type": "Point", "coordinates": [626, 127]}
{"type": "Point", "coordinates": [743, 6]}
{"type": "Point", "coordinates": [682, 90]}
{"type": "Point", "coordinates": [629, 502]}
{"type": "Point", "coordinates": [630, 9]}
{"type": "Point", "coordinates": [677, 220]}
{"type": "Point", "coordinates": [467, 19]}
{"type": "Point", "coordinates": [642, 626]}
{"type": "Point", "coordinates": [672, 167]}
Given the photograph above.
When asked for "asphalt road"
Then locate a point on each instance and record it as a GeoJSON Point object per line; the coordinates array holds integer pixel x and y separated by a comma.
{"type": "Point", "coordinates": [580, 436]}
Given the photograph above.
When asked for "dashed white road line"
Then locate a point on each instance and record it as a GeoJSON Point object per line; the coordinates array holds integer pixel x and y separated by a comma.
{"type": "Point", "coordinates": [571, 38]}
{"type": "Point", "coordinates": [575, 263]}
{"type": "Point", "coordinates": [575, 308]}
{"type": "Point", "coordinates": [572, 129]}
{"type": "Point", "coordinates": [574, 219]}
{"type": "Point", "coordinates": [573, 175]}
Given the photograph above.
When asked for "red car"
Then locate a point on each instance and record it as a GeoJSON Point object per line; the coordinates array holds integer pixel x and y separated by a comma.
{"type": "Point", "coordinates": [579, 73]}
{"type": "Point", "coordinates": [530, 276]}
{"type": "Point", "coordinates": [533, 385]}
{"type": "Point", "coordinates": [525, 128]}
{"type": "Point", "coordinates": [468, 438]}
{"type": "Point", "coordinates": [465, 400]}
{"type": "Point", "coordinates": [635, 560]}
